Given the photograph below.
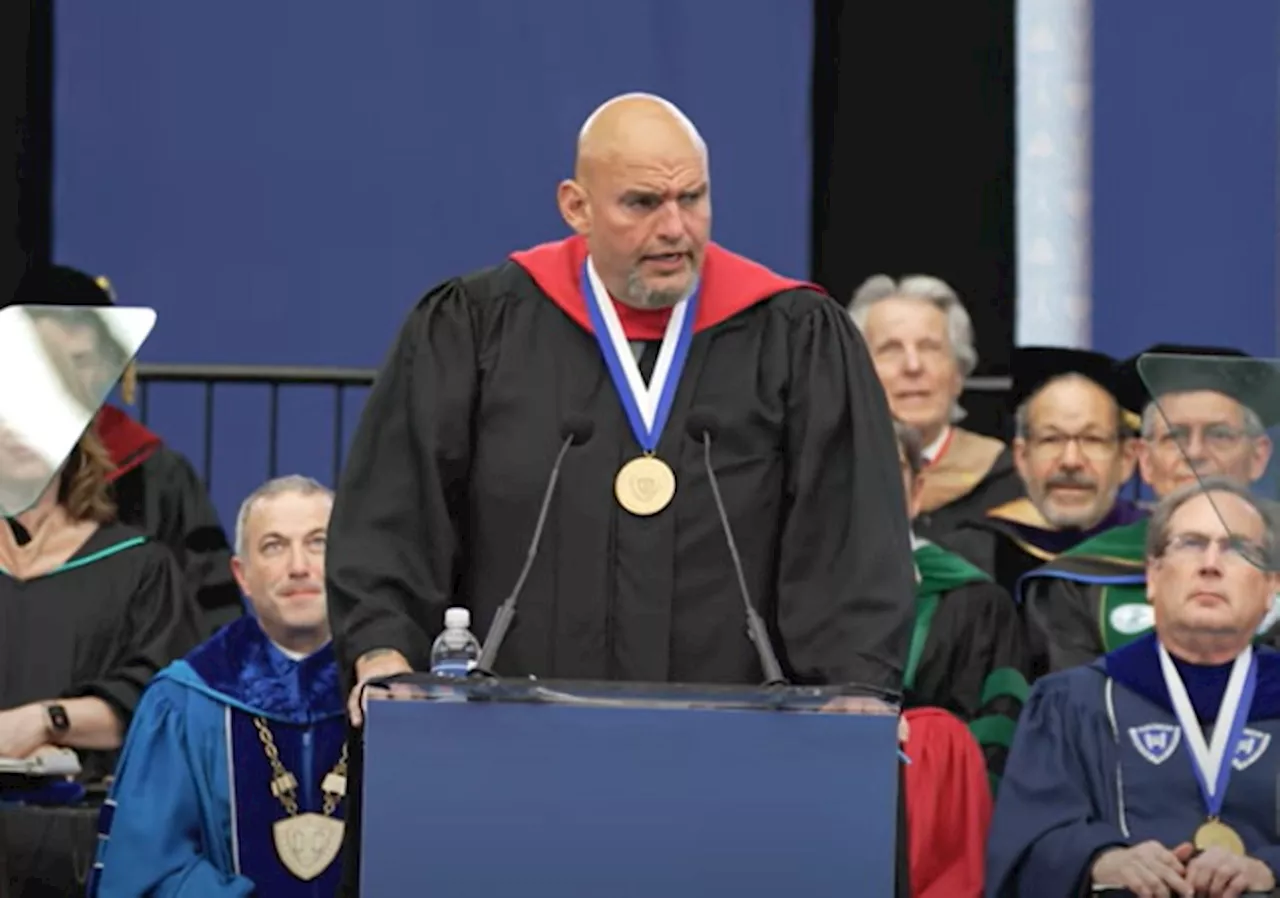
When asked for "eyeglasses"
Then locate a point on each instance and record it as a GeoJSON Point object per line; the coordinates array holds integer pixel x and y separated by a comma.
{"type": "Point", "coordinates": [1232, 548]}
{"type": "Point", "coordinates": [1091, 445]}
{"type": "Point", "coordinates": [1217, 438]}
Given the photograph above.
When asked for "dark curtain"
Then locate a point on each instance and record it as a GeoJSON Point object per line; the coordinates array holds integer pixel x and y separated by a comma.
{"type": "Point", "coordinates": [25, 200]}
{"type": "Point", "coordinates": [913, 131]}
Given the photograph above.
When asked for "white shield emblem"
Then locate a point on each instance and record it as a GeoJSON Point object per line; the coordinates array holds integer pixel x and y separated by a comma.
{"type": "Point", "coordinates": [1136, 617]}
{"type": "Point", "coordinates": [1253, 743]}
{"type": "Point", "coordinates": [1156, 741]}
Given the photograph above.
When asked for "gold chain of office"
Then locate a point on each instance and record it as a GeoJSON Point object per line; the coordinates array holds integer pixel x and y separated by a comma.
{"type": "Point", "coordinates": [306, 843]}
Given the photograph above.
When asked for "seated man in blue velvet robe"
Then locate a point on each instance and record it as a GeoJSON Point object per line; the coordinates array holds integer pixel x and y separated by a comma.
{"type": "Point", "coordinates": [1154, 769]}
{"type": "Point", "coordinates": [233, 772]}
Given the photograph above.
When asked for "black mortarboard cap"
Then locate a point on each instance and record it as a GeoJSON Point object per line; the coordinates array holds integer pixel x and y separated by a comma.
{"type": "Point", "coordinates": [1167, 368]}
{"type": "Point", "coordinates": [60, 285]}
{"type": "Point", "coordinates": [1032, 367]}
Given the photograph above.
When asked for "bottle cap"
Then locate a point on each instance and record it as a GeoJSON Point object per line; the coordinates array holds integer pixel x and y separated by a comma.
{"type": "Point", "coordinates": [457, 619]}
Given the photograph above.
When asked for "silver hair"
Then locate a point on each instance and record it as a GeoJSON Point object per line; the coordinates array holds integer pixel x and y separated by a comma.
{"type": "Point", "coordinates": [291, 483]}
{"type": "Point", "coordinates": [880, 287]}
{"type": "Point", "coordinates": [1252, 422]}
{"type": "Point", "coordinates": [1158, 527]}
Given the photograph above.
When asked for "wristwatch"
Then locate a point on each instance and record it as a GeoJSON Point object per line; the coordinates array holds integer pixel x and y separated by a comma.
{"type": "Point", "coordinates": [58, 720]}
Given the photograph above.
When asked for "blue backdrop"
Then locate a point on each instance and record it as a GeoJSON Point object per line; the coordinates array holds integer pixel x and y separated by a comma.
{"type": "Point", "coordinates": [1186, 103]}
{"type": "Point", "coordinates": [281, 181]}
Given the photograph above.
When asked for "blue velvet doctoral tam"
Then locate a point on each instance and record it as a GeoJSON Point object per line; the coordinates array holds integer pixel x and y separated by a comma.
{"type": "Point", "coordinates": [191, 811]}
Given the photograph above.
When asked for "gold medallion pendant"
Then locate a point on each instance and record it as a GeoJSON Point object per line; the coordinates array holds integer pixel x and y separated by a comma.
{"type": "Point", "coordinates": [307, 844]}
{"type": "Point", "coordinates": [1213, 833]}
{"type": "Point", "coordinates": [644, 486]}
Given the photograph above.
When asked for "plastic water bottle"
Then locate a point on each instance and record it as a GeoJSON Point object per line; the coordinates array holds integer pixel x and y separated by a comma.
{"type": "Point", "coordinates": [456, 649]}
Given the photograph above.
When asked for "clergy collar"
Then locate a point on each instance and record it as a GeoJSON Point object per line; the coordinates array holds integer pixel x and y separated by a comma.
{"type": "Point", "coordinates": [1136, 666]}
{"type": "Point", "coordinates": [931, 452]}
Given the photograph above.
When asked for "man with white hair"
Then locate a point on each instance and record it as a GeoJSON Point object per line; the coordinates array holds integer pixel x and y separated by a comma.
{"type": "Point", "coordinates": [921, 340]}
{"type": "Point", "coordinates": [1208, 418]}
{"type": "Point", "coordinates": [628, 350]}
{"type": "Point", "coordinates": [233, 775]}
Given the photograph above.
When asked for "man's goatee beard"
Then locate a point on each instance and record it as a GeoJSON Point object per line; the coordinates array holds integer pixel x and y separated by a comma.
{"type": "Point", "coordinates": [643, 297]}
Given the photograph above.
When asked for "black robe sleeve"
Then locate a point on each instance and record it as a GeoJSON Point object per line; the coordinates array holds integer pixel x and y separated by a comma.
{"type": "Point", "coordinates": [975, 545]}
{"type": "Point", "coordinates": [1000, 485]}
{"type": "Point", "coordinates": [976, 665]}
{"type": "Point", "coordinates": [846, 583]}
{"type": "Point", "coordinates": [396, 534]}
{"type": "Point", "coordinates": [183, 518]}
{"type": "Point", "coordinates": [1062, 623]}
{"type": "Point", "coordinates": [159, 625]}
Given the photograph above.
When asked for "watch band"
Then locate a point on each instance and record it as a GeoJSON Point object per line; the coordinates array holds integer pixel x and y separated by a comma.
{"type": "Point", "coordinates": [58, 719]}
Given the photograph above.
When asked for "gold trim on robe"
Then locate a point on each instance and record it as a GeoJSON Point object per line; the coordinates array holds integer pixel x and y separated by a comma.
{"type": "Point", "coordinates": [1021, 511]}
{"type": "Point", "coordinates": [965, 464]}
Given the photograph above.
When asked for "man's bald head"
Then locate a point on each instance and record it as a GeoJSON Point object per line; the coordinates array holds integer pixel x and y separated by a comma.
{"type": "Point", "coordinates": [641, 197]}
{"type": "Point", "coordinates": [636, 123]}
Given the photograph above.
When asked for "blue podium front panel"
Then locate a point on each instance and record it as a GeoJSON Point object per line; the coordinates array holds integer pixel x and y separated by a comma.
{"type": "Point", "coordinates": [512, 799]}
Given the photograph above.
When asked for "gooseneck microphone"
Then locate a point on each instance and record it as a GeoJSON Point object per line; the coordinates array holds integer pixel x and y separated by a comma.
{"type": "Point", "coordinates": [703, 427]}
{"type": "Point", "coordinates": [575, 431]}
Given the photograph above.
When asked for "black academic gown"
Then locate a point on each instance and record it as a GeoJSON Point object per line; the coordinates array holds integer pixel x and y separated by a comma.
{"type": "Point", "coordinates": [446, 473]}
{"type": "Point", "coordinates": [100, 625]}
{"type": "Point", "coordinates": [443, 483]}
{"type": "Point", "coordinates": [1011, 540]}
{"type": "Point", "coordinates": [158, 491]}
{"type": "Point", "coordinates": [1092, 600]}
{"type": "Point", "coordinates": [973, 474]}
{"type": "Point", "coordinates": [968, 651]}
{"type": "Point", "coordinates": [1089, 600]}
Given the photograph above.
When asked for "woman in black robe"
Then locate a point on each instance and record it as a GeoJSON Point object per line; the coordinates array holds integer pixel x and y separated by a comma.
{"type": "Point", "coordinates": [155, 488]}
{"type": "Point", "coordinates": [90, 610]}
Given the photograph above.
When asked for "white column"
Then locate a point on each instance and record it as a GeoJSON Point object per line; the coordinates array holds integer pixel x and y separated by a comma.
{"type": "Point", "coordinates": [1052, 174]}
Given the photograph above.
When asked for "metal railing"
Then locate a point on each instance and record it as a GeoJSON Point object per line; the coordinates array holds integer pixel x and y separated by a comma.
{"type": "Point", "coordinates": [274, 377]}
{"type": "Point", "coordinates": [340, 380]}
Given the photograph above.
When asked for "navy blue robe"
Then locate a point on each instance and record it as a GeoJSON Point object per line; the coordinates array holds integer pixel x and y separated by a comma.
{"type": "Point", "coordinates": [1099, 761]}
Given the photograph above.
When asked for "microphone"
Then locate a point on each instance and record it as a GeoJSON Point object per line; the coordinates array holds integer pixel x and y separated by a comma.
{"type": "Point", "coordinates": [575, 431]}
{"type": "Point", "coordinates": [703, 426]}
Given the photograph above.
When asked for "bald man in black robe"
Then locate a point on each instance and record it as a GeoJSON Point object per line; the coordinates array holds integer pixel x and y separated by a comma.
{"type": "Point", "coordinates": [637, 324]}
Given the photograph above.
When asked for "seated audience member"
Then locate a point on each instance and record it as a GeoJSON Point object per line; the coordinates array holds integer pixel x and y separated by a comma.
{"type": "Point", "coordinates": [921, 340]}
{"type": "Point", "coordinates": [155, 489]}
{"type": "Point", "coordinates": [1073, 449]}
{"type": "Point", "coordinates": [1114, 779]}
{"type": "Point", "coordinates": [967, 652]}
{"type": "Point", "coordinates": [233, 775]}
{"type": "Point", "coordinates": [1092, 599]}
{"type": "Point", "coordinates": [89, 610]}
